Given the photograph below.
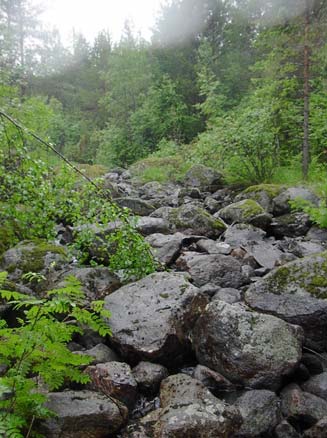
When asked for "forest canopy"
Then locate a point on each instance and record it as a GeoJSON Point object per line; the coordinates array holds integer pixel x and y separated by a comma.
{"type": "Point", "coordinates": [238, 85]}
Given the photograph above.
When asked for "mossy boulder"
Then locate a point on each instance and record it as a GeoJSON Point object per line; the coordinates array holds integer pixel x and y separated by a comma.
{"type": "Point", "coordinates": [297, 293]}
{"type": "Point", "coordinates": [32, 256]}
{"type": "Point", "coordinates": [204, 178]}
{"type": "Point", "coordinates": [263, 194]}
{"type": "Point", "coordinates": [192, 219]}
{"type": "Point", "coordinates": [246, 211]}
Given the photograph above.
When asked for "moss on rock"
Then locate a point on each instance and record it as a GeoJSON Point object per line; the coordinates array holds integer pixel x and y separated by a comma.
{"type": "Point", "coordinates": [32, 256]}
{"type": "Point", "coordinates": [272, 190]}
{"type": "Point", "coordinates": [305, 275]}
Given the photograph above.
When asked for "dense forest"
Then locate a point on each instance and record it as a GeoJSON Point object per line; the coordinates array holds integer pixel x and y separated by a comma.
{"type": "Point", "coordinates": [239, 85]}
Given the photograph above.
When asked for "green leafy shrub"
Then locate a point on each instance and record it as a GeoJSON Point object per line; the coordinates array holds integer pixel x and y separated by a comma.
{"type": "Point", "coordinates": [36, 197]}
{"type": "Point", "coordinates": [34, 352]}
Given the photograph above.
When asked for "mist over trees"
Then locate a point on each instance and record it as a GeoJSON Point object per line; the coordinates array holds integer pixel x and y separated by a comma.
{"type": "Point", "coordinates": [240, 85]}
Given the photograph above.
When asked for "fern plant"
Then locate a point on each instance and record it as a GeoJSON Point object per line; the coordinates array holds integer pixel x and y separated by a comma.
{"type": "Point", "coordinates": [35, 355]}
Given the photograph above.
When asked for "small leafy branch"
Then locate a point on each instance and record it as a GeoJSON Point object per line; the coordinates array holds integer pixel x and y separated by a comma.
{"type": "Point", "coordinates": [34, 354]}
{"type": "Point", "coordinates": [318, 214]}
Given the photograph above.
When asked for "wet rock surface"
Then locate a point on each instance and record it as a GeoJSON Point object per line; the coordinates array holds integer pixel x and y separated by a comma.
{"type": "Point", "coordinates": [83, 414]}
{"type": "Point", "coordinates": [247, 347]}
{"type": "Point", "coordinates": [151, 318]}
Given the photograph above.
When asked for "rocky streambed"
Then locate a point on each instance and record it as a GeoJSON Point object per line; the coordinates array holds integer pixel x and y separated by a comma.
{"type": "Point", "coordinates": [229, 340]}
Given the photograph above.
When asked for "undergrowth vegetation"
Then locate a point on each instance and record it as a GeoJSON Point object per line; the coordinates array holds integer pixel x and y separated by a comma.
{"type": "Point", "coordinates": [35, 198]}
{"type": "Point", "coordinates": [34, 356]}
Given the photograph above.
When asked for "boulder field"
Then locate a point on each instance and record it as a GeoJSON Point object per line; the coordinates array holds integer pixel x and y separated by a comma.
{"type": "Point", "coordinates": [227, 339]}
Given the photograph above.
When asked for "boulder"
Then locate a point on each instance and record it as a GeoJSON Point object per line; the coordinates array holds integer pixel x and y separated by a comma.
{"type": "Point", "coordinates": [317, 385]}
{"type": "Point", "coordinates": [136, 205]}
{"type": "Point", "coordinates": [147, 225]}
{"type": "Point", "coordinates": [100, 353]}
{"type": "Point", "coordinates": [281, 204]}
{"type": "Point", "coordinates": [212, 247]}
{"type": "Point", "coordinates": [301, 408]}
{"type": "Point", "coordinates": [165, 248]}
{"type": "Point", "coordinates": [96, 282]}
{"type": "Point", "coordinates": [247, 347]}
{"type": "Point", "coordinates": [191, 219]}
{"type": "Point", "coordinates": [247, 212]}
{"type": "Point", "coordinates": [151, 319]}
{"type": "Point", "coordinates": [265, 254]}
{"type": "Point", "coordinates": [227, 294]}
{"type": "Point", "coordinates": [204, 178]}
{"type": "Point", "coordinates": [216, 269]}
{"type": "Point", "coordinates": [190, 410]}
{"type": "Point", "coordinates": [260, 410]}
{"type": "Point", "coordinates": [114, 379]}
{"type": "Point", "coordinates": [263, 194]}
{"type": "Point", "coordinates": [83, 414]}
{"type": "Point", "coordinates": [149, 376]}
{"type": "Point", "coordinates": [296, 292]}
{"type": "Point", "coordinates": [159, 194]}
{"type": "Point", "coordinates": [214, 381]}
{"type": "Point", "coordinates": [319, 430]}
{"type": "Point", "coordinates": [39, 257]}
{"type": "Point", "coordinates": [290, 225]}
{"type": "Point", "coordinates": [212, 205]}
{"type": "Point", "coordinates": [317, 234]}
{"type": "Point", "coordinates": [286, 430]}
{"type": "Point", "coordinates": [242, 234]}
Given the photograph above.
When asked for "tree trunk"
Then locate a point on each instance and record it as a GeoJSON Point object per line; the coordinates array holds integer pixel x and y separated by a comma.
{"type": "Point", "coordinates": [306, 112]}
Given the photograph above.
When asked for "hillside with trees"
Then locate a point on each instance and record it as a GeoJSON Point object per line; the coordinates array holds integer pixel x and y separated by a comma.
{"type": "Point", "coordinates": [238, 85]}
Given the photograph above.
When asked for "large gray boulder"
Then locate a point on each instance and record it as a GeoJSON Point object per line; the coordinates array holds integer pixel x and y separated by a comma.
{"type": "Point", "coordinates": [216, 269]}
{"type": "Point", "coordinates": [83, 414]}
{"type": "Point", "coordinates": [204, 178]}
{"type": "Point", "coordinates": [248, 348]}
{"type": "Point", "coordinates": [151, 319]}
{"type": "Point", "coordinates": [296, 292]}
